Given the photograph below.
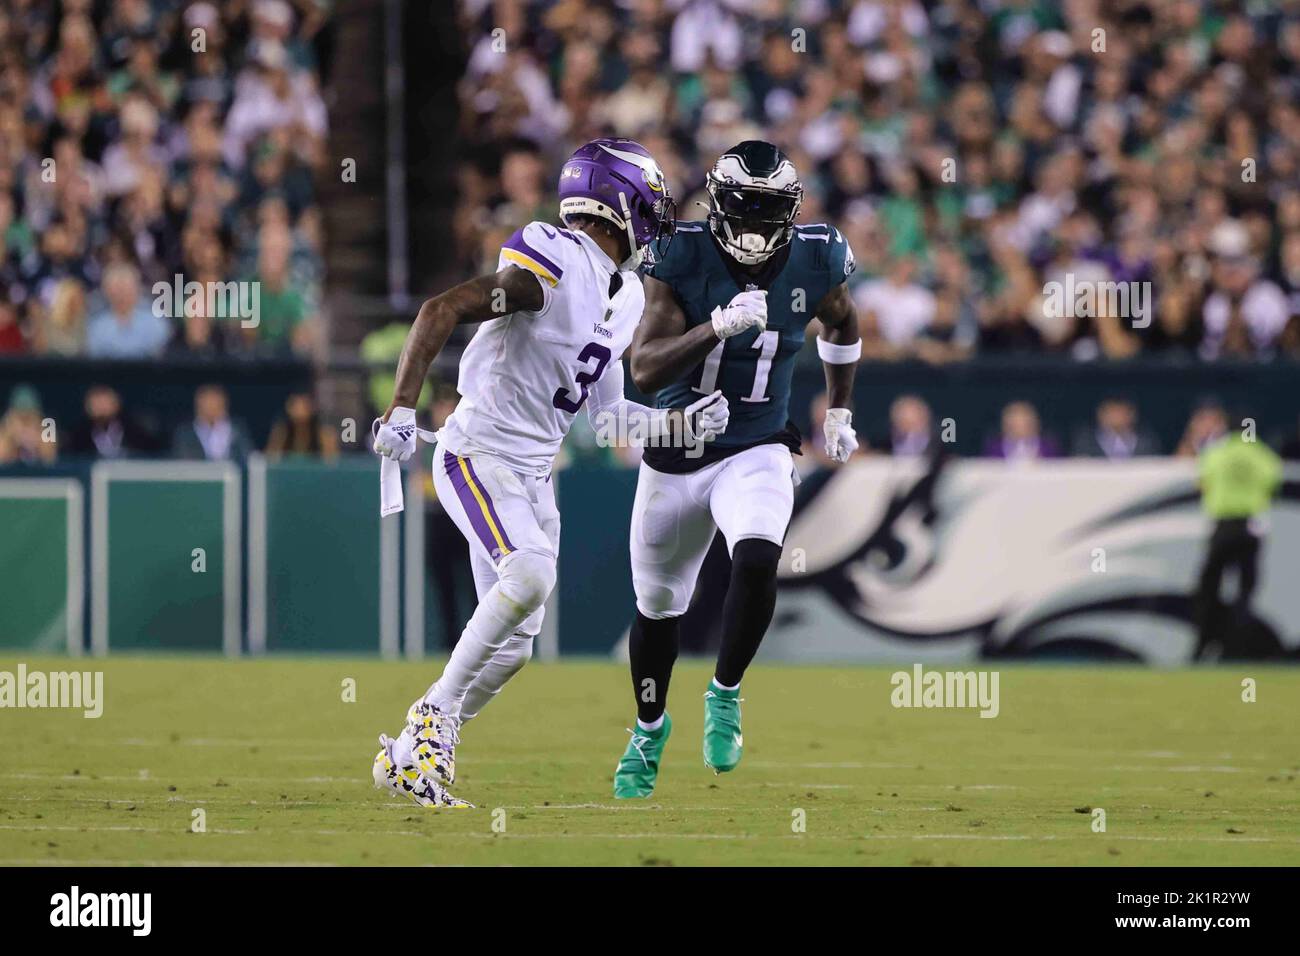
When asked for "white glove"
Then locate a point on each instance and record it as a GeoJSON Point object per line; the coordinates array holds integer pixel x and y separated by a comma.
{"type": "Point", "coordinates": [707, 418]}
{"type": "Point", "coordinates": [841, 439]}
{"type": "Point", "coordinates": [746, 310]}
{"type": "Point", "coordinates": [395, 438]}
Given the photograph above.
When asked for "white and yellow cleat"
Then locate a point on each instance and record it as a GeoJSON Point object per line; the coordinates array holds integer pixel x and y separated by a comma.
{"type": "Point", "coordinates": [409, 782]}
{"type": "Point", "coordinates": [433, 736]}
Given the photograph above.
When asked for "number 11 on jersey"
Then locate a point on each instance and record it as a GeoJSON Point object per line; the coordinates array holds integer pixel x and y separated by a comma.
{"type": "Point", "coordinates": [766, 343]}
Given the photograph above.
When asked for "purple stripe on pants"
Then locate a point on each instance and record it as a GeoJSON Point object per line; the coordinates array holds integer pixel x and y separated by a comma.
{"type": "Point", "coordinates": [492, 508]}
{"type": "Point", "coordinates": [473, 509]}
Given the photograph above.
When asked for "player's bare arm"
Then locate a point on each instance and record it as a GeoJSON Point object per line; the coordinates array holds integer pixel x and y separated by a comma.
{"type": "Point", "coordinates": [487, 297]}
{"type": "Point", "coordinates": [840, 349]}
{"type": "Point", "coordinates": [662, 349]}
{"type": "Point", "coordinates": [839, 322]}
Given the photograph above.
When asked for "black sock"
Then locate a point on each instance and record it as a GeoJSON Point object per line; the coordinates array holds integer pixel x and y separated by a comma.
{"type": "Point", "coordinates": [747, 611]}
{"type": "Point", "coordinates": [652, 650]}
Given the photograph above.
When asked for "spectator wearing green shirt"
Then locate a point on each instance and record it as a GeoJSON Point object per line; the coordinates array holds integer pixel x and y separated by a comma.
{"type": "Point", "coordinates": [1238, 478]}
{"type": "Point", "coordinates": [283, 311]}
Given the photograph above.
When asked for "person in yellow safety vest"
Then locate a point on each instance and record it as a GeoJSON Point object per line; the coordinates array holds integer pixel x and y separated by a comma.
{"type": "Point", "coordinates": [381, 348]}
{"type": "Point", "coordinates": [1238, 477]}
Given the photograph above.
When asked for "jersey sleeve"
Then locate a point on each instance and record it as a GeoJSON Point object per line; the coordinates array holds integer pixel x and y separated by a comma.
{"type": "Point", "coordinates": [825, 253]}
{"type": "Point", "coordinates": [821, 260]}
{"type": "Point", "coordinates": [836, 262]}
{"type": "Point", "coordinates": [537, 248]}
{"type": "Point", "coordinates": [840, 262]}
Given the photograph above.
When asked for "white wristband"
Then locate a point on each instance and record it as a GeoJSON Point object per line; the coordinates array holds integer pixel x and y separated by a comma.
{"type": "Point", "coordinates": [833, 354]}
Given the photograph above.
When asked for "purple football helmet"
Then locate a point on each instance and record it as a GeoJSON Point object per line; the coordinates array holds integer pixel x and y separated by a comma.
{"type": "Point", "coordinates": [619, 181]}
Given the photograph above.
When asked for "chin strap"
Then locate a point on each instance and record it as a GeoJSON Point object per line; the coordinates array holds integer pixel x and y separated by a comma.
{"type": "Point", "coordinates": [757, 254]}
{"type": "Point", "coordinates": [732, 244]}
{"type": "Point", "coordinates": [735, 245]}
{"type": "Point", "coordinates": [634, 258]}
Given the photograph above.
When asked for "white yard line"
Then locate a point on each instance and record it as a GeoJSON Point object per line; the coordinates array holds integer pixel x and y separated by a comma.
{"type": "Point", "coordinates": [172, 799]}
{"type": "Point", "coordinates": [825, 765]}
{"type": "Point", "coordinates": [1100, 837]}
{"type": "Point", "coordinates": [667, 836]}
{"type": "Point", "coordinates": [171, 777]}
{"type": "Point", "coordinates": [240, 863]}
{"type": "Point", "coordinates": [180, 830]}
{"type": "Point", "coordinates": [611, 806]}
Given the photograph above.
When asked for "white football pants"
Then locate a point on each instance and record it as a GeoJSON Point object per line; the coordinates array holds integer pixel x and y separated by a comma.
{"type": "Point", "coordinates": [748, 495]}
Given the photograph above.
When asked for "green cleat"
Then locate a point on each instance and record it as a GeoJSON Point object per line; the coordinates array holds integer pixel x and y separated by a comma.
{"type": "Point", "coordinates": [638, 769]}
{"type": "Point", "coordinates": [723, 741]}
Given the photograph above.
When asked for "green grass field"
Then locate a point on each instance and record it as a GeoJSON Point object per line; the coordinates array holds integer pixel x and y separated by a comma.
{"type": "Point", "coordinates": [1186, 772]}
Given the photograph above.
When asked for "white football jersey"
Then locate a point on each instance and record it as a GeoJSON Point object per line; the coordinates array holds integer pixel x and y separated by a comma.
{"type": "Point", "coordinates": [525, 376]}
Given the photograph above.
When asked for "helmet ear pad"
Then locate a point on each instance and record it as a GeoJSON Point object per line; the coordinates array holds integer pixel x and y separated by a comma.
{"type": "Point", "coordinates": [619, 222]}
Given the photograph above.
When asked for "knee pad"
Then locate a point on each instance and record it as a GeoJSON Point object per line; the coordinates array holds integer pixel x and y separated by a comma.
{"type": "Point", "coordinates": [660, 610]}
{"type": "Point", "coordinates": [755, 559]}
{"type": "Point", "coordinates": [527, 577]}
{"type": "Point", "coordinates": [660, 596]}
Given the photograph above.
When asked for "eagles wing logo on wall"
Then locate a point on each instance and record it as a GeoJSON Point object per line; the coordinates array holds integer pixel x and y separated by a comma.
{"type": "Point", "coordinates": [890, 559]}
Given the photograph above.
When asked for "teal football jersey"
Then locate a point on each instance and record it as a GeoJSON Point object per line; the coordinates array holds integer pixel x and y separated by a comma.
{"type": "Point", "coordinates": [753, 369]}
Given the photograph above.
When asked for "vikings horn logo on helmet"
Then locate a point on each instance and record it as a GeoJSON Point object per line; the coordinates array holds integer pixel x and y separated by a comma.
{"type": "Point", "coordinates": [654, 176]}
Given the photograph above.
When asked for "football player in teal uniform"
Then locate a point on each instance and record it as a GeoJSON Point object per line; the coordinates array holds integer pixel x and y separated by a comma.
{"type": "Point", "coordinates": [726, 308]}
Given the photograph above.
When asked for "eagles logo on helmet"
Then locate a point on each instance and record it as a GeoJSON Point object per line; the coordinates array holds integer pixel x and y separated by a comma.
{"type": "Point", "coordinates": [754, 197]}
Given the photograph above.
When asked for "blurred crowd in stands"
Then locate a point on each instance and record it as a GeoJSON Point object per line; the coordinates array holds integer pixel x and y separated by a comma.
{"type": "Point", "coordinates": [908, 428]}
{"type": "Point", "coordinates": [141, 140]}
{"type": "Point", "coordinates": [107, 430]}
{"type": "Point", "coordinates": [972, 151]}
{"type": "Point", "coordinates": [1116, 434]}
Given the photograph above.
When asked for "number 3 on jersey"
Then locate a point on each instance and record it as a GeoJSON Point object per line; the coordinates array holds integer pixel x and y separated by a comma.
{"type": "Point", "coordinates": [584, 379]}
{"type": "Point", "coordinates": [766, 343]}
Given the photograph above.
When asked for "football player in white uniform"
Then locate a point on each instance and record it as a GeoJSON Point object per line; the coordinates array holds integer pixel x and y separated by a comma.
{"type": "Point", "coordinates": [556, 319]}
